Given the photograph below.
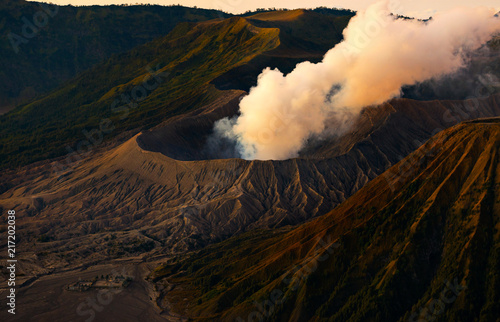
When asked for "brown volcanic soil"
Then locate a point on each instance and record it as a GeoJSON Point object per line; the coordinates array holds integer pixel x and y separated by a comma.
{"type": "Point", "coordinates": [428, 226]}
{"type": "Point", "coordinates": [129, 200]}
{"type": "Point", "coordinates": [47, 299]}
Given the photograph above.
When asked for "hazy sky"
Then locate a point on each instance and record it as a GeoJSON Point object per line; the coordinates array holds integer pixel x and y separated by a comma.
{"type": "Point", "coordinates": [416, 8]}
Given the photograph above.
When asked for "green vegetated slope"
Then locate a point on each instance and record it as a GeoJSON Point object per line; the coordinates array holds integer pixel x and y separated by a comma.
{"type": "Point", "coordinates": [41, 47]}
{"type": "Point", "coordinates": [300, 30]}
{"type": "Point", "coordinates": [304, 35]}
{"type": "Point", "coordinates": [184, 63]}
{"type": "Point", "coordinates": [419, 242]}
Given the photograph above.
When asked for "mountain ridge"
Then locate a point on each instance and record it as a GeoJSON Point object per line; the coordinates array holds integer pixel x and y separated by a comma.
{"type": "Point", "coordinates": [357, 261]}
{"type": "Point", "coordinates": [187, 60]}
{"type": "Point", "coordinates": [144, 196]}
{"type": "Point", "coordinates": [73, 39]}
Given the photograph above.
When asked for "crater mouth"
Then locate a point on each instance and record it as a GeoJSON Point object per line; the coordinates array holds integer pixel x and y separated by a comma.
{"type": "Point", "coordinates": [188, 137]}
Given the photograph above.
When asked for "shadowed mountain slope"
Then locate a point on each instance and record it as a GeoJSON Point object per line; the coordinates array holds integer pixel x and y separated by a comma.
{"type": "Point", "coordinates": [166, 77]}
{"type": "Point", "coordinates": [153, 199]}
{"type": "Point", "coordinates": [381, 136]}
{"type": "Point", "coordinates": [38, 56]}
{"type": "Point", "coordinates": [480, 76]}
{"type": "Point", "coordinates": [141, 88]}
{"type": "Point", "coordinates": [421, 244]}
{"type": "Point", "coordinates": [299, 41]}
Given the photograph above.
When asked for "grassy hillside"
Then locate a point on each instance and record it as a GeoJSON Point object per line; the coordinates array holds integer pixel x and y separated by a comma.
{"type": "Point", "coordinates": [300, 30]}
{"type": "Point", "coordinates": [185, 62]}
{"type": "Point", "coordinates": [72, 40]}
{"type": "Point", "coordinates": [420, 241]}
{"type": "Point", "coordinates": [304, 35]}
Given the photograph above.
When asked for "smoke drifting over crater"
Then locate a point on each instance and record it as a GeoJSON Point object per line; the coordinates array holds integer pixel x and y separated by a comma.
{"type": "Point", "coordinates": [379, 55]}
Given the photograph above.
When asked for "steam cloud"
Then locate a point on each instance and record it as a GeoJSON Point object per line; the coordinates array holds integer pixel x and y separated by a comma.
{"type": "Point", "coordinates": [380, 54]}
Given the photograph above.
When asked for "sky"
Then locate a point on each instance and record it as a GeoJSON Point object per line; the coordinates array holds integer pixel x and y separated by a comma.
{"type": "Point", "coordinates": [413, 8]}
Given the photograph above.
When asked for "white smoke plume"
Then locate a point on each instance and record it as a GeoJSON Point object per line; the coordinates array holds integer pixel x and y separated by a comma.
{"type": "Point", "coordinates": [378, 56]}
